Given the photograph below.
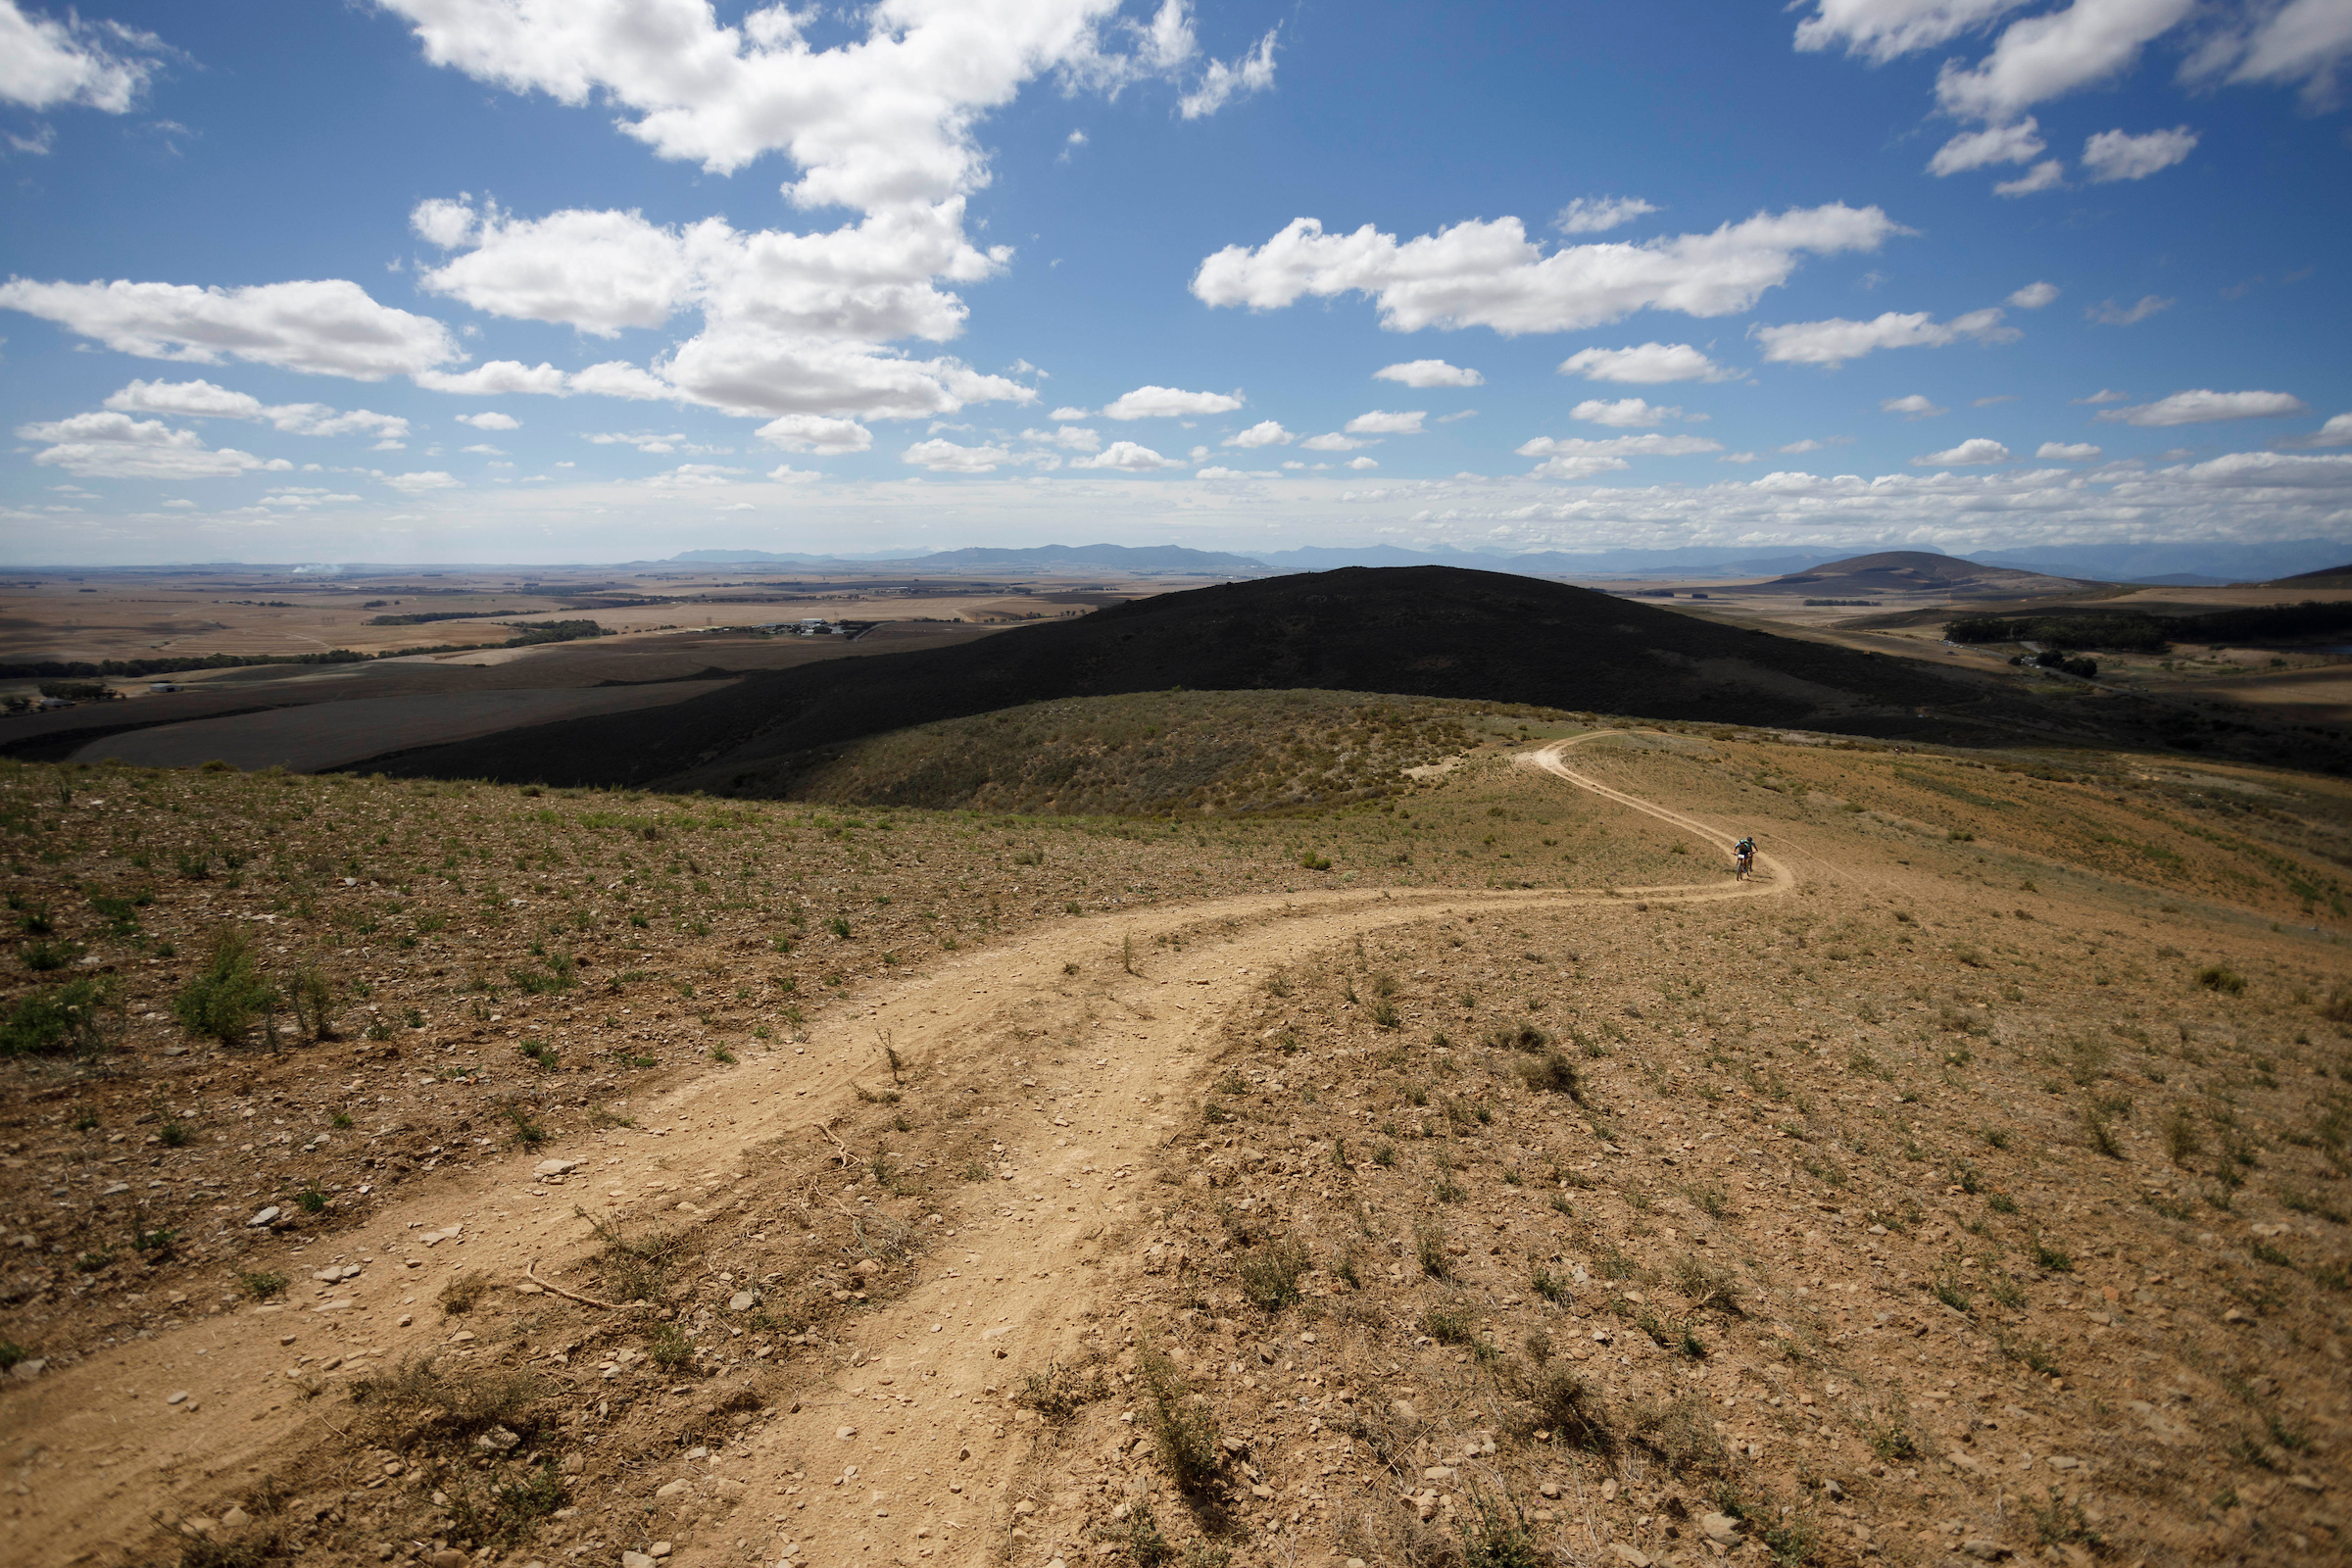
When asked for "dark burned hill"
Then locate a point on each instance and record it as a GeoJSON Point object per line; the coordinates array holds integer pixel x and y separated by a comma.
{"type": "Point", "coordinates": [1432, 631]}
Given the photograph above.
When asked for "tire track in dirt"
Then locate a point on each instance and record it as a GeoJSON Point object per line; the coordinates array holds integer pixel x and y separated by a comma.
{"type": "Point", "coordinates": [916, 1398]}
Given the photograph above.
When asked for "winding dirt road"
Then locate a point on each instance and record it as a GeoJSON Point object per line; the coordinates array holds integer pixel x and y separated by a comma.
{"type": "Point", "coordinates": [1004, 1278]}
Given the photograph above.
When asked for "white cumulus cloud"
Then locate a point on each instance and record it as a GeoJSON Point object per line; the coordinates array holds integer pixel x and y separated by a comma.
{"type": "Point", "coordinates": [885, 116]}
{"type": "Point", "coordinates": [1332, 441]}
{"type": "Point", "coordinates": [416, 484]}
{"type": "Point", "coordinates": [2048, 175]}
{"type": "Point", "coordinates": [815, 432]}
{"type": "Point", "coordinates": [202, 400]}
{"type": "Point", "coordinates": [1624, 413]}
{"type": "Point", "coordinates": [2309, 42]}
{"type": "Point", "coordinates": [2069, 451]}
{"type": "Point", "coordinates": [1167, 403]}
{"type": "Point", "coordinates": [1915, 407]}
{"type": "Point", "coordinates": [1577, 457]}
{"type": "Point", "coordinates": [1590, 215]}
{"type": "Point", "coordinates": [2113, 155]}
{"type": "Point", "coordinates": [790, 322]}
{"type": "Point", "coordinates": [647, 441]}
{"type": "Point", "coordinates": [1421, 374]}
{"type": "Point", "coordinates": [1646, 365]}
{"type": "Point", "coordinates": [1222, 81]}
{"type": "Point", "coordinates": [1881, 30]}
{"type": "Point", "coordinates": [46, 63]}
{"type": "Point", "coordinates": [1128, 457]}
{"type": "Point", "coordinates": [323, 327]}
{"type": "Point", "coordinates": [2203, 407]}
{"type": "Point", "coordinates": [491, 422]}
{"type": "Point", "coordinates": [1975, 451]}
{"type": "Point", "coordinates": [1264, 433]}
{"type": "Point", "coordinates": [1490, 273]}
{"type": "Point", "coordinates": [497, 378]}
{"type": "Point", "coordinates": [1833, 342]}
{"type": "Point", "coordinates": [2048, 56]}
{"type": "Point", "coordinates": [1379, 421]}
{"type": "Point", "coordinates": [1363, 463]}
{"type": "Point", "coordinates": [1073, 437]}
{"type": "Point", "coordinates": [2034, 296]}
{"type": "Point", "coordinates": [2019, 142]}
{"type": "Point", "coordinates": [946, 457]}
{"type": "Point", "coordinates": [116, 446]}
{"type": "Point", "coordinates": [2336, 432]}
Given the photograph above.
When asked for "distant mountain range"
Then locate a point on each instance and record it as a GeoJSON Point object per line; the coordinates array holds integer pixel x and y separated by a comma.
{"type": "Point", "coordinates": [2170, 564]}
{"type": "Point", "coordinates": [1040, 558]}
{"type": "Point", "coordinates": [1689, 560]}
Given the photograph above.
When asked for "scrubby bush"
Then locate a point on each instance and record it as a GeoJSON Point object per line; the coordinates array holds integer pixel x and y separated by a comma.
{"type": "Point", "coordinates": [73, 1017]}
{"type": "Point", "coordinates": [1270, 1276]}
{"type": "Point", "coordinates": [1552, 1073]}
{"type": "Point", "coordinates": [419, 1404]}
{"type": "Point", "coordinates": [229, 996]}
{"type": "Point", "coordinates": [1184, 1429]}
{"type": "Point", "coordinates": [1060, 1393]}
{"type": "Point", "coordinates": [2220, 977]}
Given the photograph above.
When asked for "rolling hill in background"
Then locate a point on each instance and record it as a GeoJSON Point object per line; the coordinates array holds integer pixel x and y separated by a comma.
{"type": "Point", "coordinates": [2325, 577]}
{"type": "Point", "coordinates": [1897, 573]}
{"type": "Point", "coordinates": [1424, 632]}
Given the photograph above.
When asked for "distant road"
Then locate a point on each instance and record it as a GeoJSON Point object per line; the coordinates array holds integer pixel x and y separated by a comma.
{"type": "Point", "coordinates": [316, 736]}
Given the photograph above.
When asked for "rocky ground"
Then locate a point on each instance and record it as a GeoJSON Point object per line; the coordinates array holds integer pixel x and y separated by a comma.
{"type": "Point", "coordinates": [1968, 1187]}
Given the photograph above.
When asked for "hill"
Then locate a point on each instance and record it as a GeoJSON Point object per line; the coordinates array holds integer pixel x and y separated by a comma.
{"type": "Point", "coordinates": [1419, 632]}
{"type": "Point", "coordinates": [2325, 577]}
{"type": "Point", "coordinates": [1696, 561]}
{"type": "Point", "coordinates": [1916, 572]}
{"type": "Point", "coordinates": [1144, 754]}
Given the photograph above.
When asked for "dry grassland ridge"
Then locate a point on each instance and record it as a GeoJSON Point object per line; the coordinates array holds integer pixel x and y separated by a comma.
{"type": "Point", "coordinates": [1465, 1172]}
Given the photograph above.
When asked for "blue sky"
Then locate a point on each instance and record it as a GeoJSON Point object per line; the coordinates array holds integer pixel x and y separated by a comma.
{"type": "Point", "coordinates": [548, 280]}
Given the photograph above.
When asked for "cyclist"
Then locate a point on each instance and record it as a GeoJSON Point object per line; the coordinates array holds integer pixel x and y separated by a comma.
{"type": "Point", "coordinates": [1744, 856]}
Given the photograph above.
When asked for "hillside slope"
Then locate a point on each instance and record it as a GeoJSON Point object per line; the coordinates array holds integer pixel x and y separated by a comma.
{"type": "Point", "coordinates": [1424, 632]}
{"type": "Point", "coordinates": [743, 1183]}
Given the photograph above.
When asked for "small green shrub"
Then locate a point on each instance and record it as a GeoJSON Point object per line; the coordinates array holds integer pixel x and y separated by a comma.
{"type": "Point", "coordinates": [1184, 1429]}
{"type": "Point", "coordinates": [312, 997]}
{"type": "Point", "coordinates": [1270, 1276]}
{"type": "Point", "coordinates": [671, 1351]}
{"type": "Point", "coordinates": [230, 995]}
{"type": "Point", "coordinates": [1429, 1247]}
{"type": "Point", "coordinates": [74, 1017]}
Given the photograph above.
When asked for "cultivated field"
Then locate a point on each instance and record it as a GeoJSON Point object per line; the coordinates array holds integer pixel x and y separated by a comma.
{"type": "Point", "coordinates": [194, 610]}
{"type": "Point", "coordinates": [1474, 1174]}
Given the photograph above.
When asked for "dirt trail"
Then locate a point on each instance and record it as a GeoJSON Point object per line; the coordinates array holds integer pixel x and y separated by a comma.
{"type": "Point", "coordinates": [1006, 1278]}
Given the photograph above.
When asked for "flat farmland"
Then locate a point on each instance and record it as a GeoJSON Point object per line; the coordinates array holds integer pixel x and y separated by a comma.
{"type": "Point", "coordinates": [196, 611]}
{"type": "Point", "coordinates": [316, 736]}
